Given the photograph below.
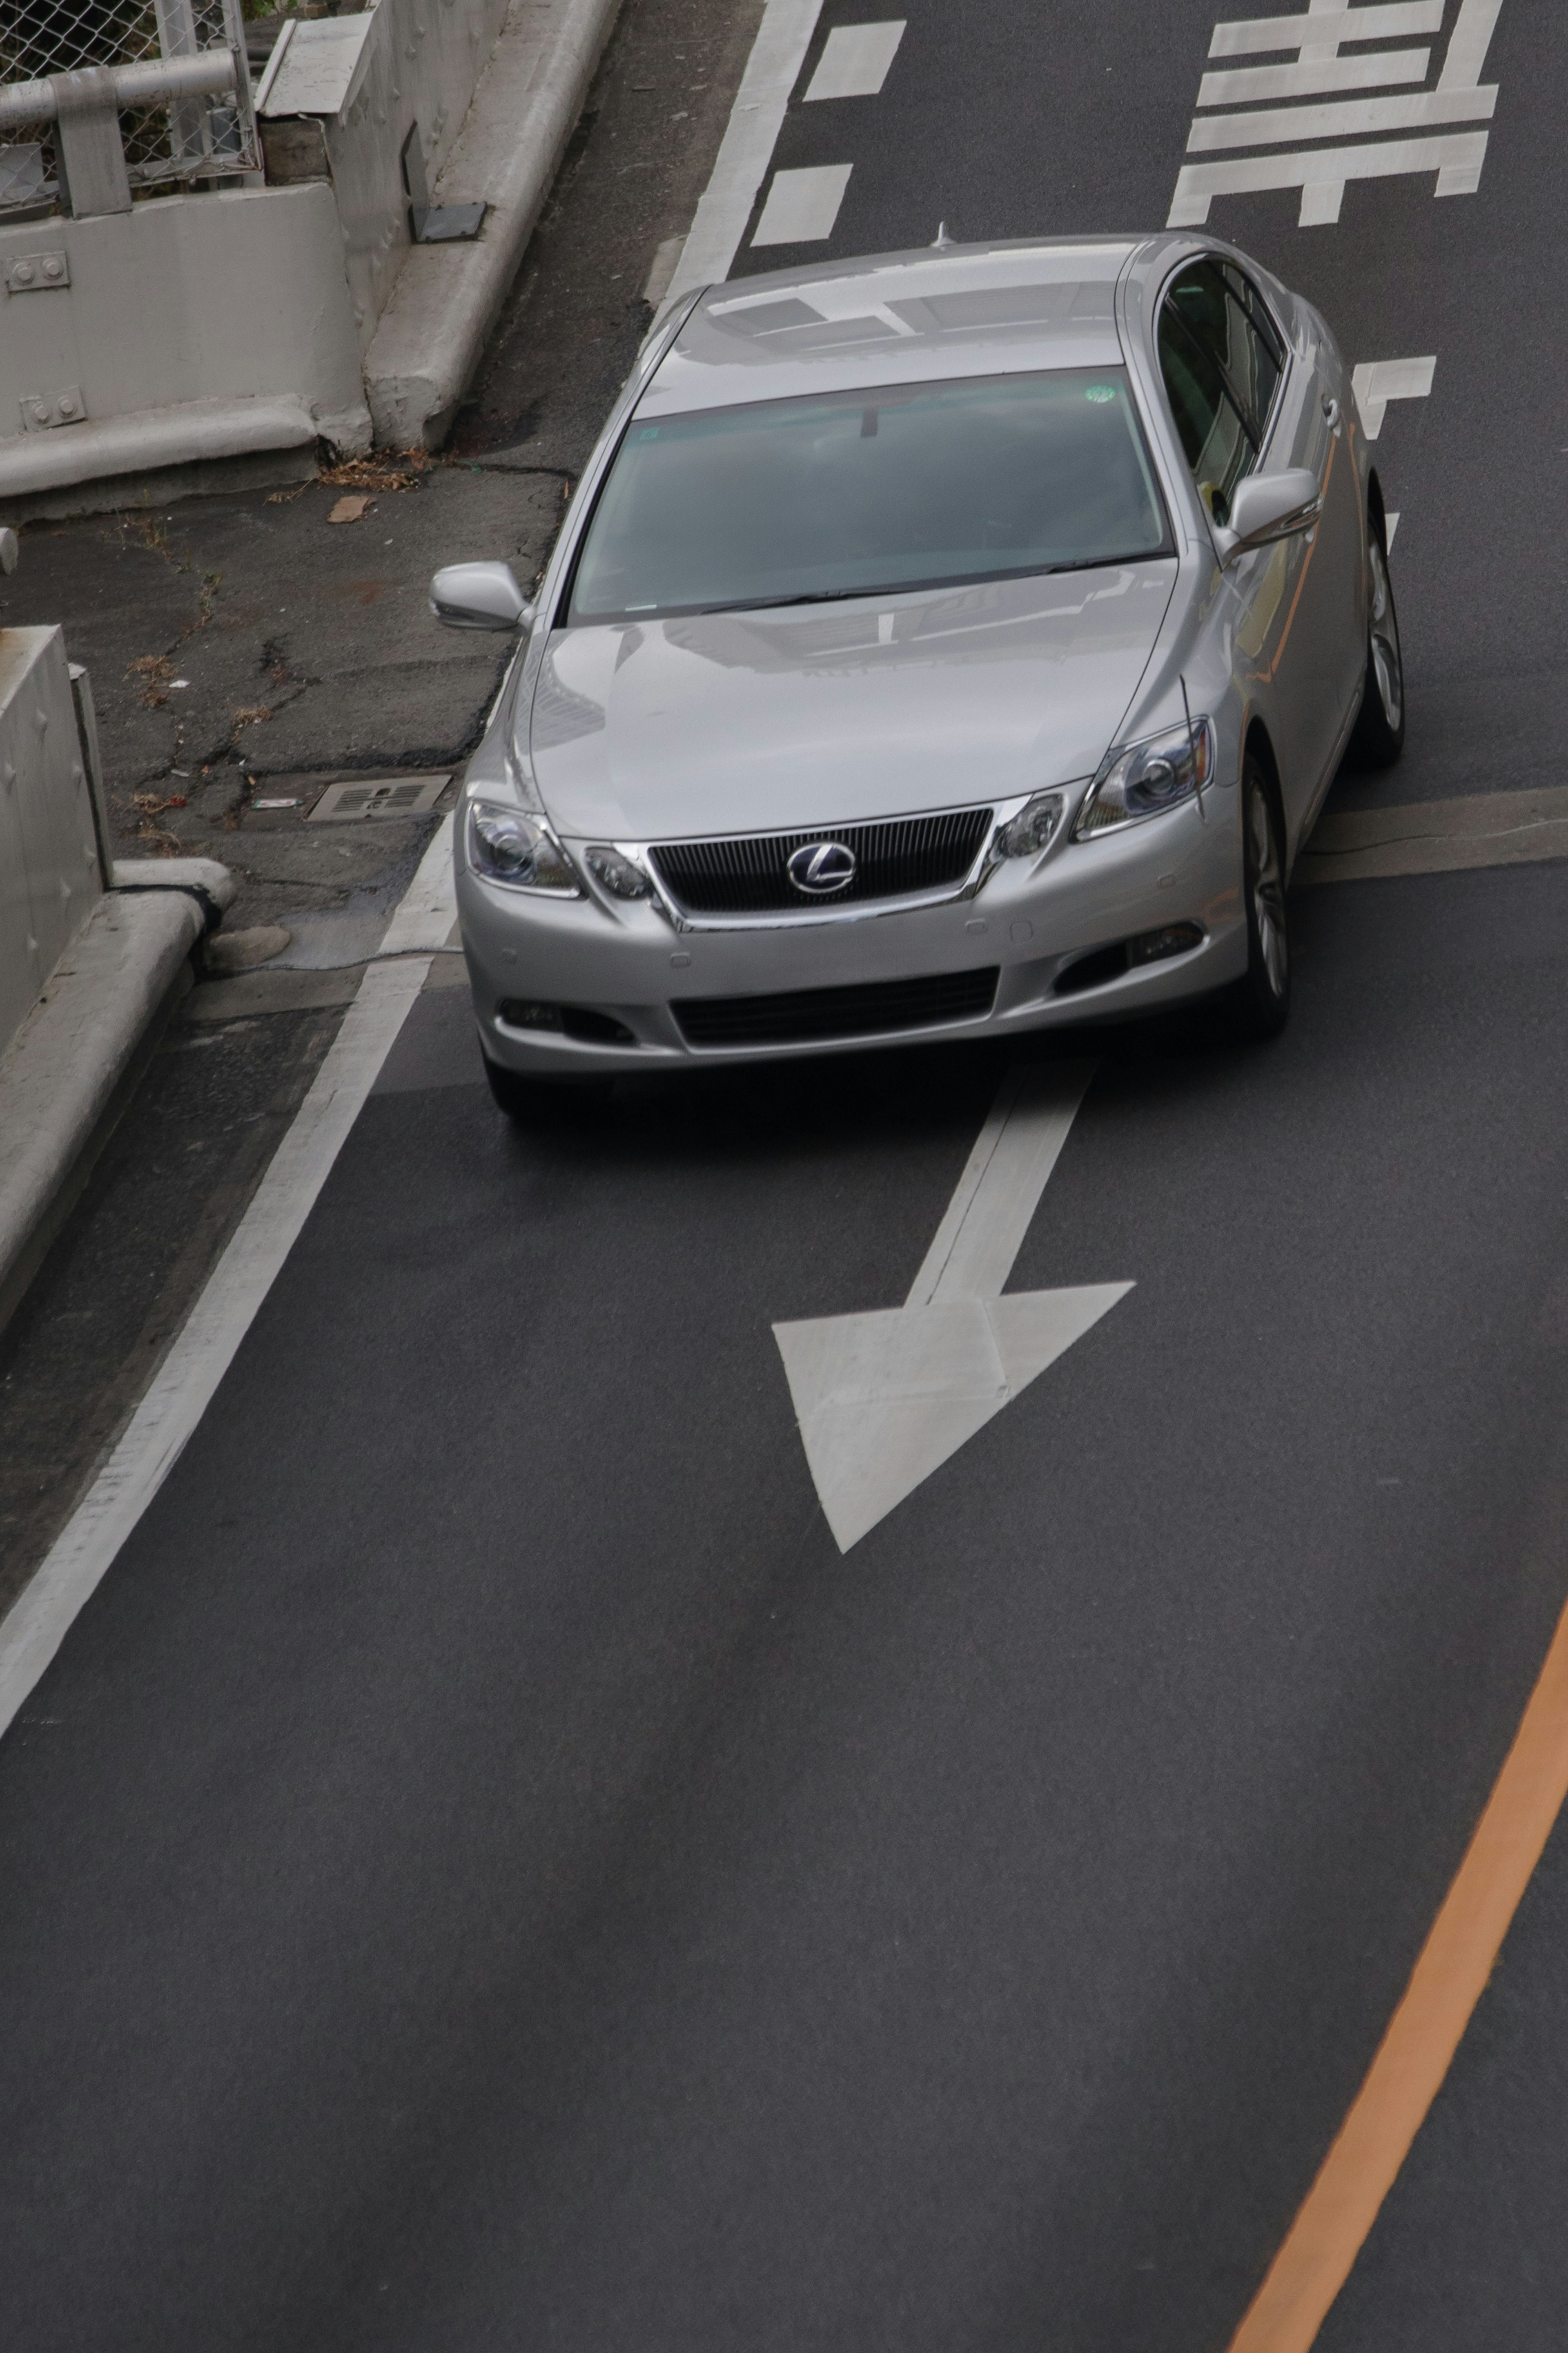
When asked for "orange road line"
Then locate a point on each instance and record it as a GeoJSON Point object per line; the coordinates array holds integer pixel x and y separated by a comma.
{"type": "Point", "coordinates": [1423, 2033]}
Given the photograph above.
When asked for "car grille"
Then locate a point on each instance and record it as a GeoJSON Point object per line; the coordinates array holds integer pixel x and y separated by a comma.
{"type": "Point", "coordinates": [746, 876]}
{"type": "Point", "coordinates": [863, 1011]}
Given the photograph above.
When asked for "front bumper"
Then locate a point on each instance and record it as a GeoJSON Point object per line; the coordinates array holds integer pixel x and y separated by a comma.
{"type": "Point", "coordinates": [1033, 919]}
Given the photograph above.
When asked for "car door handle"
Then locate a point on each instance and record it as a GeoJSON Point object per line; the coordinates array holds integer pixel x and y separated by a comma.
{"type": "Point", "coordinates": [1331, 413]}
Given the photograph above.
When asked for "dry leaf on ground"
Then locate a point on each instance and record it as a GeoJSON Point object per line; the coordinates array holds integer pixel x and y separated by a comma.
{"type": "Point", "coordinates": [155, 673]}
{"type": "Point", "coordinates": [347, 509]}
{"type": "Point", "coordinates": [250, 714]}
{"type": "Point", "coordinates": [389, 470]}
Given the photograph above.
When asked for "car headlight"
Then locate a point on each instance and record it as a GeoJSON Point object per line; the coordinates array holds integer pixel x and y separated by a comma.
{"type": "Point", "coordinates": [1148, 778]}
{"type": "Point", "coordinates": [616, 874]}
{"type": "Point", "coordinates": [1034, 827]}
{"type": "Point", "coordinates": [508, 845]}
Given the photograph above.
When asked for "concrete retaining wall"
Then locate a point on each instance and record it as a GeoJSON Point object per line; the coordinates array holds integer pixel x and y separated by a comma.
{"type": "Point", "coordinates": [232, 308]}
{"type": "Point", "coordinates": [419, 63]}
{"type": "Point", "coordinates": [50, 879]}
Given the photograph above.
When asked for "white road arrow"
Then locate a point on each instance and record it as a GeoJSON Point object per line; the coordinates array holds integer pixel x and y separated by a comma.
{"type": "Point", "coordinates": [883, 1399]}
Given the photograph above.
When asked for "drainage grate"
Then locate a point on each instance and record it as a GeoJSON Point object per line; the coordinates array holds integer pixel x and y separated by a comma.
{"type": "Point", "coordinates": [381, 796]}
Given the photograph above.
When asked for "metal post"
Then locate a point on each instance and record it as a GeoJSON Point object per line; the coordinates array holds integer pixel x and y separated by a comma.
{"type": "Point", "coordinates": [86, 736]}
{"type": "Point", "coordinates": [190, 142]}
{"type": "Point", "coordinates": [248, 135]}
{"type": "Point", "coordinates": [91, 159]}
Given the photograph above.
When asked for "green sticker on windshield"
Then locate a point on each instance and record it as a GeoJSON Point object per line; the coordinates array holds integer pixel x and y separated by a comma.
{"type": "Point", "coordinates": [1101, 391]}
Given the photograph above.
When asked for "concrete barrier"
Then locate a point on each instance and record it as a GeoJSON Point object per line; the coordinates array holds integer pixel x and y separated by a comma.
{"type": "Point", "coordinates": [51, 876]}
{"type": "Point", "coordinates": [224, 316]}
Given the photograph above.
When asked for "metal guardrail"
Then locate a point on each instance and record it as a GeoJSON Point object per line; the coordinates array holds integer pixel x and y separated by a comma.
{"type": "Point", "coordinates": [99, 98]}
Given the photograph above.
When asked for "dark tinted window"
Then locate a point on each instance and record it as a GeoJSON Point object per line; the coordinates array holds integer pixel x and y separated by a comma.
{"type": "Point", "coordinates": [848, 493]}
{"type": "Point", "coordinates": [1222, 361]}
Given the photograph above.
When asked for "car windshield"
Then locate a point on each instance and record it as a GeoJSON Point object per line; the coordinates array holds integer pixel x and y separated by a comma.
{"type": "Point", "coordinates": [855, 494]}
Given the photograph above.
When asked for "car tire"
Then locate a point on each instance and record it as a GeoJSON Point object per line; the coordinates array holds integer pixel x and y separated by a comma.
{"type": "Point", "coordinates": [530, 1101]}
{"type": "Point", "coordinates": [1378, 737]}
{"type": "Point", "coordinates": [1259, 1003]}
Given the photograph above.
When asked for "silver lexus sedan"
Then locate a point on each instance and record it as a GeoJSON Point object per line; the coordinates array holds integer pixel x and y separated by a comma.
{"type": "Point", "coordinates": [946, 644]}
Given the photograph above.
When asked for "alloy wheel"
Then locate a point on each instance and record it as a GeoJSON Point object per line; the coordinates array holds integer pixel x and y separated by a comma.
{"type": "Point", "coordinates": [1382, 632]}
{"type": "Point", "coordinates": [1268, 885]}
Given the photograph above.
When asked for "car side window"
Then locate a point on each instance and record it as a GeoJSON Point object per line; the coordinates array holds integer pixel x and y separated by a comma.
{"type": "Point", "coordinates": [1222, 361]}
{"type": "Point", "coordinates": [1257, 354]}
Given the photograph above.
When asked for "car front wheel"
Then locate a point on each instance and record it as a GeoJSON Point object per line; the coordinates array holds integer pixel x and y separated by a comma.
{"type": "Point", "coordinates": [1261, 1001]}
{"type": "Point", "coordinates": [1378, 737]}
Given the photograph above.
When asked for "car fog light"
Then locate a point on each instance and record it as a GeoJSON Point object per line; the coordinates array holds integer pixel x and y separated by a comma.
{"type": "Point", "coordinates": [522, 1013]}
{"type": "Point", "coordinates": [1172, 939]}
{"type": "Point", "coordinates": [618, 876]}
{"type": "Point", "coordinates": [1034, 827]}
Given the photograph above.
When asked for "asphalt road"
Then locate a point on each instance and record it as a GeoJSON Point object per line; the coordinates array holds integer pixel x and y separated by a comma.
{"type": "Point", "coordinates": [486, 1872]}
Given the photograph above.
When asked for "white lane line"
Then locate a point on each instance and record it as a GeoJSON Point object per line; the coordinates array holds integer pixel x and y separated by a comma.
{"type": "Point", "coordinates": [1507, 828]}
{"type": "Point", "coordinates": [184, 1384]}
{"type": "Point", "coordinates": [883, 1399]}
{"type": "Point", "coordinates": [756, 118]}
{"type": "Point", "coordinates": [855, 60]}
{"type": "Point", "coordinates": [1377, 382]}
{"type": "Point", "coordinates": [803, 205]}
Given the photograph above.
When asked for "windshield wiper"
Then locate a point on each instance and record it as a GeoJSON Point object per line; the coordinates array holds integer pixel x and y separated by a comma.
{"type": "Point", "coordinates": [809, 596]}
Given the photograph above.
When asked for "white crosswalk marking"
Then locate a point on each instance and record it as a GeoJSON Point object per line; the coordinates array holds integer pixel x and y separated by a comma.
{"type": "Point", "coordinates": [1318, 69]}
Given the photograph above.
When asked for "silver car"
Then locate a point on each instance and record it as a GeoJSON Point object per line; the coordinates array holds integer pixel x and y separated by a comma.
{"type": "Point", "coordinates": [947, 644]}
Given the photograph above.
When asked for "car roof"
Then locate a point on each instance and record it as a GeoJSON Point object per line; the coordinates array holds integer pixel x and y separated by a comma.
{"type": "Point", "coordinates": [897, 317]}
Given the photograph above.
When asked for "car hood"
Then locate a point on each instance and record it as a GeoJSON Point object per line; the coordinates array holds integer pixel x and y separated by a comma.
{"type": "Point", "coordinates": [787, 718]}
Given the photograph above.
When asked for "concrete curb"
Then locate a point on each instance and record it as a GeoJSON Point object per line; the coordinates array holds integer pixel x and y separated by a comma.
{"type": "Point", "coordinates": [153, 437]}
{"type": "Point", "coordinates": [68, 1072]}
{"type": "Point", "coordinates": [448, 297]}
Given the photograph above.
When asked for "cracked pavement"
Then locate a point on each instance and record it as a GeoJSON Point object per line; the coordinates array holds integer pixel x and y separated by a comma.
{"type": "Point", "coordinates": [242, 647]}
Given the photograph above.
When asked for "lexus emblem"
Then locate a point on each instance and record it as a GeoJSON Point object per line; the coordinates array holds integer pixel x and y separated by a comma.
{"type": "Point", "coordinates": [818, 869]}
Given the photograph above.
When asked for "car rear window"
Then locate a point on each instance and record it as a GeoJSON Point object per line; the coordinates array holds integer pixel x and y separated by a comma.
{"type": "Point", "coordinates": [853, 493]}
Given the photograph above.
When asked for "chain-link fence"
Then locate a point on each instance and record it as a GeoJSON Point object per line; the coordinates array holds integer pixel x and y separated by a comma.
{"type": "Point", "coordinates": [170, 142]}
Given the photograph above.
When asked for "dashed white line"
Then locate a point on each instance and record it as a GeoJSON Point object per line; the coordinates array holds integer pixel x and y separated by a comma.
{"type": "Point", "coordinates": [772, 71]}
{"type": "Point", "coordinates": [855, 60]}
{"type": "Point", "coordinates": [803, 205]}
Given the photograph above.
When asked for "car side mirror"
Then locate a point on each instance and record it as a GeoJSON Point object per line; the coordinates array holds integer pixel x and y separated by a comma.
{"type": "Point", "coordinates": [1267, 507]}
{"type": "Point", "coordinates": [480, 596]}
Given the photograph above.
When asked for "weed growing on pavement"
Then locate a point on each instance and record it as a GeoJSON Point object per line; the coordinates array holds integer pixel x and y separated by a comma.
{"type": "Point", "coordinates": [153, 837]}
{"type": "Point", "coordinates": [156, 672]}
